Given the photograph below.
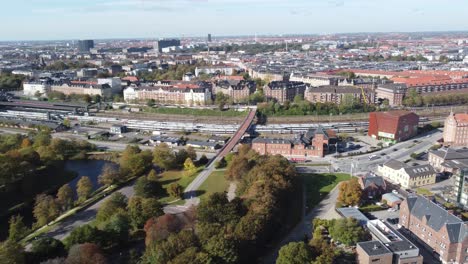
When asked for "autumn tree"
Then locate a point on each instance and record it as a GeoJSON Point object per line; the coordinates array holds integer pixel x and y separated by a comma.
{"type": "Point", "coordinates": [152, 175]}
{"type": "Point", "coordinates": [26, 143]}
{"type": "Point", "coordinates": [84, 188]}
{"type": "Point", "coordinates": [161, 227]}
{"type": "Point", "coordinates": [65, 197]}
{"type": "Point", "coordinates": [86, 253]}
{"type": "Point", "coordinates": [109, 175]}
{"type": "Point", "coordinates": [192, 154]}
{"type": "Point", "coordinates": [46, 248]}
{"type": "Point", "coordinates": [12, 252]}
{"type": "Point", "coordinates": [175, 190]}
{"type": "Point", "coordinates": [45, 209]}
{"type": "Point", "coordinates": [350, 192]}
{"type": "Point", "coordinates": [134, 162]}
{"type": "Point", "coordinates": [163, 156]}
{"type": "Point", "coordinates": [189, 167]}
{"type": "Point", "coordinates": [17, 229]}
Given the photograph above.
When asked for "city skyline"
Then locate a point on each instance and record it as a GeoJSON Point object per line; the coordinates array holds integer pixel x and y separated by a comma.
{"type": "Point", "coordinates": [102, 19]}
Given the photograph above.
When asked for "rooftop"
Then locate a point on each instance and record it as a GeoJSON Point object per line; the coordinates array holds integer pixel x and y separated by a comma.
{"type": "Point", "coordinates": [374, 248]}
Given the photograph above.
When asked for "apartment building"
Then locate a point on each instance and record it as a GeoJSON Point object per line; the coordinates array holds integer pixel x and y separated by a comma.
{"type": "Point", "coordinates": [448, 159]}
{"type": "Point", "coordinates": [460, 185]}
{"type": "Point", "coordinates": [456, 129]}
{"type": "Point", "coordinates": [407, 176]}
{"type": "Point", "coordinates": [388, 247]}
{"type": "Point", "coordinates": [393, 126]}
{"type": "Point", "coordinates": [338, 94]}
{"type": "Point", "coordinates": [237, 90]}
{"type": "Point", "coordinates": [33, 88]}
{"type": "Point", "coordinates": [314, 143]}
{"type": "Point", "coordinates": [283, 91]}
{"type": "Point", "coordinates": [186, 93]}
{"type": "Point", "coordinates": [393, 92]}
{"type": "Point", "coordinates": [314, 79]}
{"type": "Point", "coordinates": [82, 88]}
{"type": "Point", "coordinates": [436, 228]}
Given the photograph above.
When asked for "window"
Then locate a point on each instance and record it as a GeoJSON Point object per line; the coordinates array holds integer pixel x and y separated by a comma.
{"type": "Point", "coordinates": [375, 260]}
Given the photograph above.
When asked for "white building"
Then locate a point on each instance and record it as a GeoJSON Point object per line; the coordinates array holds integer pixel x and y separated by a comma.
{"type": "Point", "coordinates": [33, 88]}
{"type": "Point", "coordinates": [115, 83]}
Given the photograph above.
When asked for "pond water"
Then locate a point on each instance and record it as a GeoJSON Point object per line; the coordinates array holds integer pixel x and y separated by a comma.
{"type": "Point", "coordinates": [90, 168]}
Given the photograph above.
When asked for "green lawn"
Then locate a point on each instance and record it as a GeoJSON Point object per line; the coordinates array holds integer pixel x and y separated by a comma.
{"type": "Point", "coordinates": [216, 182]}
{"type": "Point", "coordinates": [174, 176]}
{"type": "Point", "coordinates": [423, 191]}
{"type": "Point", "coordinates": [318, 186]}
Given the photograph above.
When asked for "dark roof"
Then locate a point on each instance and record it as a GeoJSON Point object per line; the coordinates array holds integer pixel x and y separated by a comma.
{"type": "Point", "coordinates": [394, 164]}
{"type": "Point", "coordinates": [371, 178]}
{"type": "Point", "coordinates": [352, 212]}
{"type": "Point", "coordinates": [374, 248]}
{"type": "Point", "coordinates": [421, 170]}
{"type": "Point", "coordinates": [451, 153]}
{"type": "Point", "coordinates": [437, 217]}
{"type": "Point", "coordinates": [202, 143]}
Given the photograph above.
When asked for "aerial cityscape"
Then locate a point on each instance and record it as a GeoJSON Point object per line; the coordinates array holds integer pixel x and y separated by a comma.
{"type": "Point", "coordinates": [142, 132]}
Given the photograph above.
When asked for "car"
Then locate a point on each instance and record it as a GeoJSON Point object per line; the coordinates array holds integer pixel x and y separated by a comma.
{"type": "Point", "coordinates": [395, 191]}
{"type": "Point", "coordinates": [391, 209]}
{"type": "Point", "coordinates": [383, 154]}
{"type": "Point", "coordinates": [395, 149]}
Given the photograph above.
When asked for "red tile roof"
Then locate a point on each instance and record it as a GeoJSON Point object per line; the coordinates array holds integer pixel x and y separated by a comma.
{"type": "Point", "coordinates": [461, 118]}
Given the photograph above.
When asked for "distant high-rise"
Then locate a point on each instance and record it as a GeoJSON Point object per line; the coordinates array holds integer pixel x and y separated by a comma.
{"type": "Point", "coordinates": [164, 43]}
{"type": "Point", "coordinates": [209, 37]}
{"type": "Point", "coordinates": [85, 45]}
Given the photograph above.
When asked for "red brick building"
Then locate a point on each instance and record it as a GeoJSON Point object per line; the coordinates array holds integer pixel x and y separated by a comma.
{"type": "Point", "coordinates": [312, 144]}
{"type": "Point", "coordinates": [393, 126]}
{"type": "Point", "coordinates": [237, 90]}
{"type": "Point", "coordinates": [372, 185]}
{"type": "Point", "coordinates": [436, 228]}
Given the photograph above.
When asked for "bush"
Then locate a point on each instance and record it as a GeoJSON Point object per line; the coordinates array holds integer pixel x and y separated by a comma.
{"type": "Point", "coordinates": [370, 208]}
{"type": "Point", "coordinates": [220, 164]}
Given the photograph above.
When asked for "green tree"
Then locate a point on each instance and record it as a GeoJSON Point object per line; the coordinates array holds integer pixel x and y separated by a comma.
{"type": "Point", "coordinates": [47, 248]}
{"type": "Point", "coordinates": [12, 253]}
{"type": "Point", "coordinates": [42, 139]}
{"type": "Point", "coordinates": [17, 229]}
{"type": "Point", "coordinates": [222, 249]}
{"type": "Point", "coordinates": [45, 209]}
{"type": "Point", "coordinates": [221, 100]}
{"type": "Point", "coordinates": [117, 202]}
{"type": "Point", "coordinates": [65, 197]}
{"type": "Point", "coordinates": [152, 176]}
{"type": "Point", "coordinates": [146, 188]}
{"type": "Point", "coordinates": [84, 188]}
{"type": "Point", "coordinates": [348, 231]}
{"type": "Point", "coordinates": [117, 227]}
{"type": "Point", "coordinates": [140, 210]}
{"type": "Point", "coordinates": [175, 190]}
{"type": "Point", "coordinates": [294, 253]}
{"type": "Point", "coordinates": [163, 156]}
{"type": "Point", "coordinates": [85, 234]}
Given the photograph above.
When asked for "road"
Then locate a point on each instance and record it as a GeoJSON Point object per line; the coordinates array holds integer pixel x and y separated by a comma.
{"type": "Point", "coordinates": [403, 151]}
{"type": "Point", "coordinates": [190, 191]}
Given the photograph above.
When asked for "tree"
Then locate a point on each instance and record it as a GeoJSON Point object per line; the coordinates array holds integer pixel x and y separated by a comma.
{"type": "Point", "coordinates": [109, 175]}
{"type": "Point", "coordinates": [175, 190]}
{"type": "Point", "coordinates": [86, 253]}
{"type": "Point", "coordinates": [42, 139]}
{"type": "Point", "coordinates": [348, 231]}
{"type": "Point", "coordinates": [221, 100]}
{"type": "Point", "coordinates": [26, 143]}
{"type": "Point", "coordinates": [140, 210]}
{"type": "Point", "coordinates": [117, 228]}
{"type": "Point", "coordinates": [12, 253]}
{"type": "Point", "coordinates": [350, 192]}
{"type": "Point", "coordinates": [220, 164]}
{"type": "Point", "coordinates": [134, 162]}
{"type": "Point", "coordinates": [203, 160]}
{"type": "Point", "coordinates": [150, 102]}
{"type": "Point", "coordinates": [160, 228]}
{"type": "Point", "coordinates": [84, 188]}
{"type": "Point", "coordinates": [67, 123]}
{"type": "Point", "coordinates": [192, 154]}
{"type": "Point", "coordinates": [152, 175]}
{"type": "Point", "coordinates": [222, 249]}
{"type": "Point", "coordinates": [17, 229]}
{"type": "Point", "coordinates": [111, 206]}
{"type": "Point", "coordinates": [47, 248]}
{"type": "Point", "coordinates": [146, 188]}
{"type": "Point", "coordinates": [65, 197]}
{"type": "Point", "coordinates": [294, 253]}
{"type": "Point", "coordinates": [85, 234]}
{"type": "Point", "coordinates": [163, 156]}
{"type": "Point", "coordinates": [45, 209]}
{"type": "Point", "coordinates": [189, 167]}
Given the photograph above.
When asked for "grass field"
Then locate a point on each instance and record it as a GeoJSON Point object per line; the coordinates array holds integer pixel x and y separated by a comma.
{"type": "Point", "coordinates": [216, 182]}
{"type": "Point", "coordinates": [194, 112]}
{"type": "Point", "coordinates": [174, 176]}
{"type": "Point", "coordinates": [318, 186]}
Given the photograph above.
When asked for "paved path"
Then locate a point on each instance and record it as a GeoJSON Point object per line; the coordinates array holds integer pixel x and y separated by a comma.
{"type": "Point", "coordinates": [325, 210]}
{"type": "Point", "coordinates": [231, 193]}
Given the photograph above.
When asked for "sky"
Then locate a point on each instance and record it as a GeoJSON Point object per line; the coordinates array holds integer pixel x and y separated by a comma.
{"type": "Point", "coordinates": [101, 19]}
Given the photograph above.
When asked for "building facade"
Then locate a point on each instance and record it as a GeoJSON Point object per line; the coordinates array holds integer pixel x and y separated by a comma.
{"type": "Point", "coordinates": [339, 94]}
{"type": "Point", "coordinates": [448, 159]}
{"type": "Point", "coordinates": [283, 91]}
{"type": "Point", "coordinates": [394, 93]}
{"type": "Point", "coordinates": [456, 130]}
{"type": "Point", "coordinates": [82, 88]}
{"type": "Point", "coordinates": [168, 94]}
{"type": "Point", "coordinates": [407, 176]}
{"type": "Point", "coordinates": [34, 88]}
{"type": "Point", "coordinates": [85, 45]}
{"type": "Point", "coordinates": [372, 185]}
{"type": "Point", "coordinates": [312, 144]}
{"type": "Point", "coordinates": [436, 228]}
{"type": "Point", "coordinates": [237, 90]}
{"type": "Point", "coordinates": [393, 126]}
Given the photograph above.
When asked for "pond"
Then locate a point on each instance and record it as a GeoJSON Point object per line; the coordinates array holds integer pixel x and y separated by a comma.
{"type": "Point", "coordinates": [90, 168]}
